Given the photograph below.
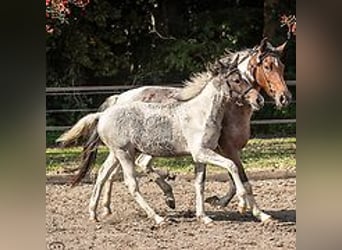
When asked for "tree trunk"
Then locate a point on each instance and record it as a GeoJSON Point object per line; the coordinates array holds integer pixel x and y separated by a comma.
{"type": "Point", "coordinates": [271, 23]}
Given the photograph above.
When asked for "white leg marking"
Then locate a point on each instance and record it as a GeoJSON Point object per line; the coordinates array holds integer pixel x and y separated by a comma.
{"type": "Point", "coordinates": [132, 184]}
{"type": "Point", "coordinates": [104, 172]}
{"type": "Point", "coordinates": [199, 189]}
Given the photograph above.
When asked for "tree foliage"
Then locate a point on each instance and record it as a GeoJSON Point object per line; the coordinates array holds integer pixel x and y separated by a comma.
{"type": "Point", "coordinates": [151, 41]}
{"type": "Point", "coordinates": [117, 41]}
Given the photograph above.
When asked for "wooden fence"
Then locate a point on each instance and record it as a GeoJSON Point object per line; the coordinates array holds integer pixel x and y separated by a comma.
{"type": "Point", "coordinates": [117, 89]}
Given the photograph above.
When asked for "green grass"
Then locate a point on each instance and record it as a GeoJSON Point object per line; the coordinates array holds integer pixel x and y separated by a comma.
{"type": "Point", "coordinates": [259, 153]}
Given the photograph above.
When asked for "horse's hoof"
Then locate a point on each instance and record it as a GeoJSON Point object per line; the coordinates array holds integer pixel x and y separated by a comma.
{"type": "Point", "coordinates": [213, 200]}
{"type": "Point", "coordinates": [268, 220]}
{"type": "Point", "coordinates": [242, 210]}
{"type": "Point", "coordinates": [171, 203]}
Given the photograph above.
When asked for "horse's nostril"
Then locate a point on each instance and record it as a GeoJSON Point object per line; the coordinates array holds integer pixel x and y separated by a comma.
{"type": "Point", "coordinates": [283, 99]}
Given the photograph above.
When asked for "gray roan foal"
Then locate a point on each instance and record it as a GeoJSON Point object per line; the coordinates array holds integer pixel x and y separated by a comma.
{"type": "Point", "coordinates": [191, 125]}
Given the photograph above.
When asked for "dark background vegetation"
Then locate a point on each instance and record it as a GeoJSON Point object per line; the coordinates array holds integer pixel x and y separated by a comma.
{"type": "Point", "coordinates": [113, 43]}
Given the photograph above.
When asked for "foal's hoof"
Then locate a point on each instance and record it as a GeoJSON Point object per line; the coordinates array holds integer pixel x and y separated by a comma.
{"type": "Point", "coordinates": [93, 219]}
{"type": "Point", "coordinates": [106, 213]}
{"type": "Point", "coordinates": [171, 203]}
{"type": "Point", "coordinates": [159, 220]}
{"type": "Point", "coordinates": [207, 221]}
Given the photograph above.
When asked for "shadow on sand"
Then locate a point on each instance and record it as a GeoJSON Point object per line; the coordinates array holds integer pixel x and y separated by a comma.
{"type": "Point", "coordinates": [286, 216]}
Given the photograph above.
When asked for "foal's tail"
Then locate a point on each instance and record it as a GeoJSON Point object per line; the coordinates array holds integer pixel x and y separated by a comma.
{"type": "Point", "coordinates": [85, 125]}
{"type": "Point", "coordinates": [88, 155]}
{"type": "Point", "coordinates": [82, 128]}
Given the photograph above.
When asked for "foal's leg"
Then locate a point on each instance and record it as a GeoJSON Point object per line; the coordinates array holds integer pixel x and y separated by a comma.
{"type": "Point", "coordinates": [199, 189]}
{"type": "Point", "coordinates": [108, 166]}
{"type": "Point", "coordinates": [108, 191]}
{"type": "Point", "coordinates": [233, 154]}
{"type": "Point", "coordinates": [131, 182]}
{"type": "Point", "coordinates": [144, 161]}
{"type": "Point", "coordinates": [205, 155]}
{"type": "Point", "coordinates": [249, 202]}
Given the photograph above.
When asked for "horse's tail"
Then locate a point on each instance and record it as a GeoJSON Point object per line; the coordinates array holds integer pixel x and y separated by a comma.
{"type": "Point", "coordinates": [88, 155]}
{"type": "Point", "coordinates": [82, 128]}
{"type": "Point", "coordinates": [110, 101]}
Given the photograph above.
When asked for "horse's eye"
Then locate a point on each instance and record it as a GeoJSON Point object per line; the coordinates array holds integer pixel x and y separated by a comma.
{"type": "Point", "coordinates": [268, 68]}
{"type": "Point", "coordinates": [237, 81]}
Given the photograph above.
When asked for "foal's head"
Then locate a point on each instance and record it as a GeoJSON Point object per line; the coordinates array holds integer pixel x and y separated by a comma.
{"type": "Point", "coordinates": [240, 91]}
{"type": "Point", "coordinates": [268, 71]}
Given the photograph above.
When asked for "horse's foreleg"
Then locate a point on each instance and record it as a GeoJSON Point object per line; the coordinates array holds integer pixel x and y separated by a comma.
{"type": "Point", "coordinates": [132, 184]}
{"type": "Point", "coordinates": [104, 172]}
{"type": "Point", "coordinates": [233, 154]}
{"type": "Point", "coordinates": [249, 201]}
{"type": "Point", "coordinates": [107, 192]}
{"type": "Point", "coordinates": [251, 204]}
{"type": "Point", "coordinates": [200, 172]}
{"type": "Point", "coordinates": [144, 161]}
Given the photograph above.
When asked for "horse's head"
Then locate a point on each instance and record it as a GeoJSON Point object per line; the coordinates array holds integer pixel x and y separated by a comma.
{"type": "Point", "coordinates": [268, 72]}
{"type": "Point", "coordinates": [240, 91]}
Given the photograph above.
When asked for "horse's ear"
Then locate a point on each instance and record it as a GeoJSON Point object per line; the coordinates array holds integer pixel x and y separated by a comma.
{"type": "Point", "coordinates": [280, 48]}
{"type": "Point", "coordinates": [263, 45]}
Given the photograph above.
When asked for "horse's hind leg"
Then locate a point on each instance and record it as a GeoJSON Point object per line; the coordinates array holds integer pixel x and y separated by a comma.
{"type": "Point", "coordinates": [224, 200]}
{"type": "Point", "coordinates": [132, 184]}
{"type": "Point", "coordinates": [144, 161]}
{"type": "Point", "coordinates": [107, 192]}
{"type": "Point", "coordinates": [104, 172]}
{"type": "Point", "coordinates": [199, 189]}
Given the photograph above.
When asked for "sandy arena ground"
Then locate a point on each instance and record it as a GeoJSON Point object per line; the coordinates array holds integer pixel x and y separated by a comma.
{"type": "Point", "coordinates": [129, 228]}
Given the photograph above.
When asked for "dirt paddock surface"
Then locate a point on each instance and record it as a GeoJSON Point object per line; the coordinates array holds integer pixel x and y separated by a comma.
{"type": "Point", "coordinates": [67, 225]}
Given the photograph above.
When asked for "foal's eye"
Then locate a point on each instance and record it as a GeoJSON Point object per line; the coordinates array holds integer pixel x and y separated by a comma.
{"type": "Point", "coordinates": [237, 81]}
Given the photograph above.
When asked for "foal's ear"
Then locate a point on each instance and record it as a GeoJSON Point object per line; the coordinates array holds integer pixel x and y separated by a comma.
{"type": "Point", "coordinates": [280, 48]}
{"type": "Point", "coordinates": [235, 63]}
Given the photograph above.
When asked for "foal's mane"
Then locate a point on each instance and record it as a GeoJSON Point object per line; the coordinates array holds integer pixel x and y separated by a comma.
{"type": "Point", "coordinates": [194, 85]}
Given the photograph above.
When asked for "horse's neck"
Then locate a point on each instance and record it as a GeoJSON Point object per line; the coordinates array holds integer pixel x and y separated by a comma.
{"type": "Point", "coordinates": [235, 126]}
{"type": "Point", "coordinates": [238, 114]}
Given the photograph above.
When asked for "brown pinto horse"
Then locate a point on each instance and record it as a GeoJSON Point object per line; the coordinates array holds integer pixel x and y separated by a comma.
{"type": "Point", "coordinates": [265, 71]}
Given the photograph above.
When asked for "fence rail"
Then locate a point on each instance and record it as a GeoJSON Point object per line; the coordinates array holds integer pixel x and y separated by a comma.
{"type": "Point", "coordinates": [117, 89]}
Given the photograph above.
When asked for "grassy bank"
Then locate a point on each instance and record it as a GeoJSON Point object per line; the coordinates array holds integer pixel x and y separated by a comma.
{"type": "Point", "coordinates": [259, 153]}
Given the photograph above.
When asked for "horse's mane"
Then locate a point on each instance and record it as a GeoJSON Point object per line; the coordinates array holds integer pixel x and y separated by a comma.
{"type": "Point", "coordinates": [194, 85]}
{"type": "Point", "coordinates": [229, 56]}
